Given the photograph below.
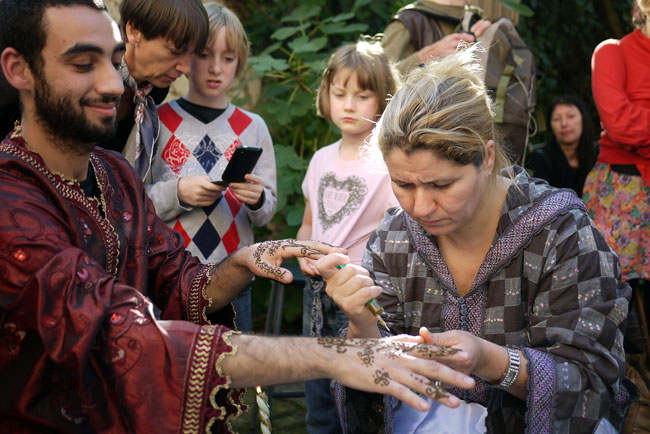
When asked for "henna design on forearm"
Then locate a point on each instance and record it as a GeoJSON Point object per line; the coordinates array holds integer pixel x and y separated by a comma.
{"type": "Point", "coordinates": [331, 341]}
{"type": "Point", "coordinates": [392, 350]}
{"type": "Point", "coordinates": [382, 378]}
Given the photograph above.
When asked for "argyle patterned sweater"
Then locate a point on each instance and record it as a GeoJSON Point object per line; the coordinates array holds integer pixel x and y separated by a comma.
{"type": "Point", "coordinates": [188, 147]}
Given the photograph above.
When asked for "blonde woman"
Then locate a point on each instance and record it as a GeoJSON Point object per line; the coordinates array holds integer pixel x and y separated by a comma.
{"type": "Point", "coordinates": [481, 258]}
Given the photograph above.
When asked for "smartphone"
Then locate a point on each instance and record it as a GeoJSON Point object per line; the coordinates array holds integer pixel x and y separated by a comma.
{"type": "Point", "coordinates": [243, 161]}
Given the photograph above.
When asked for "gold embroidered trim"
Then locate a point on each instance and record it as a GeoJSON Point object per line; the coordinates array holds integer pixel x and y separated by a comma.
{"type": "Point", "coordinates": [227, 418]}
{"type": "Point", "coordinates": [194, 311]}
{"type": "Point", "coordinates": [111, 239]}
{"type": "Point", "coordinates": [70, 190]}
{"type": "Point", "coordinates": [198, 375]}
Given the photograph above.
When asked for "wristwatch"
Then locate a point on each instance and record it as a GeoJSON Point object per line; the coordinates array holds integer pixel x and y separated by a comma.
{"type": "Point", "coordinates": [512, 372]}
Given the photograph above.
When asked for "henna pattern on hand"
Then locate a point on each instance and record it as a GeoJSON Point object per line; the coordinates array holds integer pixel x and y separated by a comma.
{"type": "Point", "coordinates": [273, 246]}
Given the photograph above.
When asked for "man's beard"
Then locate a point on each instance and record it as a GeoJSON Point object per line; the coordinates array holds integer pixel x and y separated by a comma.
{"type": "Point", "coordinates": [66, 121]}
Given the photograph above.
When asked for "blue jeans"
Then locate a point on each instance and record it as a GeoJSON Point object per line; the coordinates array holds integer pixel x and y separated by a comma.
{"type": "Point", "coordinates": [321, 410]}
{"type": "Point", "coordinates": [242, 306]}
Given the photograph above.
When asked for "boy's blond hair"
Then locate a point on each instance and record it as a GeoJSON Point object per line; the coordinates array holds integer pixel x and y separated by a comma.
{"type": "Point", "coordinates": [236, 39]}
{"type": "Point", "coordinates": [374, 73]}
{"type": "Point", "coordinates": [443, 107]}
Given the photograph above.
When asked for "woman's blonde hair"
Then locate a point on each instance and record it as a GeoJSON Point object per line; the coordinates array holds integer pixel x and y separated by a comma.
{"type": "Point", "coordinates": [236, 39]}
{"type": "Point", "coordinates": [374, 73]}
{"type": "Point", "coordinates": [443, 107]}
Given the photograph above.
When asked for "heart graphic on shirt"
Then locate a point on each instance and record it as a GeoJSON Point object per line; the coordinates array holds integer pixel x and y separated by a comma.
{"type": "Point", "coordinates": [338, 199]}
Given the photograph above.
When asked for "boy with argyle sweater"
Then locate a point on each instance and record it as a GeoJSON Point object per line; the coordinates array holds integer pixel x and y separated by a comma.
{"type": "Point", "coordinates": [198, 134]}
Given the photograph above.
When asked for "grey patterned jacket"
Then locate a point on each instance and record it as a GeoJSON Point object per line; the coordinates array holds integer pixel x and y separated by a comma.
{"type": "Point", "coordinates": [549, 285]}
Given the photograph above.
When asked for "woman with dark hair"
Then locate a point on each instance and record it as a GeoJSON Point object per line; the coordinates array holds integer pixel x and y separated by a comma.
{"type": "Point", "coordinates": [569, 154]}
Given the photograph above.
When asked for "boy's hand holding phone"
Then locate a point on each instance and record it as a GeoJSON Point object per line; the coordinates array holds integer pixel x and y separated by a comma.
{"type": "Point", "coordinates": [198, 190]}
{"type": "Point", "coordinates": [249, 192]}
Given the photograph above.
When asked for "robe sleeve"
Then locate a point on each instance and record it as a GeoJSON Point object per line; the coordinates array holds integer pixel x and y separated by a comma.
{"type": "Point", "coordinates": [123, 369]}
{"type": "Point", "coordinates": [577, 318]}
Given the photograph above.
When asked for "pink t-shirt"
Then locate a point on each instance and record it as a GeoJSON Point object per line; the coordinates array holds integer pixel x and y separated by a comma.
{"type": "Point", "coordinates": [347, 200]}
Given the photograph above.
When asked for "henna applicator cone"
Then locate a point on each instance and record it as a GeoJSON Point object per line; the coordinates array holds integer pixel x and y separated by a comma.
{"type": "Point", "coordinates": [374, 307]}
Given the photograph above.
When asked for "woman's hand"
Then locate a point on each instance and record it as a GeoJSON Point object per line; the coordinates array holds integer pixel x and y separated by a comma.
{"type": "Point", "coordinates": [198, 190]}
{"type": "Point", "coordinates": [482, 358]}
{"type": "Point", "coordinates": [249, 192]}
{"type": "Point", "coordinates": [351, 288]}
{"type": "Point", "coordinates": [308, 267]}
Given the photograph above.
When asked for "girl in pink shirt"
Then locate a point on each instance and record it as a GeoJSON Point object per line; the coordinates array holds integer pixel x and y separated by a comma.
{"type": "Point", "coordinates": [345, 200]}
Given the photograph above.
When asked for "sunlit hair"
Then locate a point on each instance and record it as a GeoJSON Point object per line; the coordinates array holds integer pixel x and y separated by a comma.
{"type": "Point", "coordinates": [236, 39]}
{"type": "Point", "coordinates": [443, 107]}
{"type": "Point", "coordinates": [640, 11]}
{"type": "Point", "coordinates": [184, 22]}
{"type": "Point", "coordinates": [374, 73]}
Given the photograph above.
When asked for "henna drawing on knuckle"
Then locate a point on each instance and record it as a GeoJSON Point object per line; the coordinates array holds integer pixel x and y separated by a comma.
{"type": "Point", "coordinates": [382, 378]}
{"type": "Point", "coordinates": [434, 390]}
{"type": "Point", "coordinates": [432, 350]}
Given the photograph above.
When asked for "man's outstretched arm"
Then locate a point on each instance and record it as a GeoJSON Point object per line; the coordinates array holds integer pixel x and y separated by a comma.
{"type": "Point", "coordinates": [263, 259]}
{"type": "Point", "coordinates": [387, 366]}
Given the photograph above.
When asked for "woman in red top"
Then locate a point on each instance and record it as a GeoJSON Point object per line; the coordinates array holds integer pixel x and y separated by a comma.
{"type": "Point", "coordinates": [616, 191]}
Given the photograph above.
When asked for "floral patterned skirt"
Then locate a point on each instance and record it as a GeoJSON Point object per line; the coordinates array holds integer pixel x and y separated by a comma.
{"type": "Point", "coordinates": [620, 206]}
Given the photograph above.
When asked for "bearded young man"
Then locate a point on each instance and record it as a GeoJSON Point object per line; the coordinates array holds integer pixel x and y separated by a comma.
{"type": "Point", "coordinates": [106, 323]}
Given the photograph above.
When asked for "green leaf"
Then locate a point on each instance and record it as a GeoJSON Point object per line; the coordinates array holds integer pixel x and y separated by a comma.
{"type": "Point", "coordinates": [286, 32]}
{"type": "Point", "coordinates": [303, 45]}
{"type": "Point", "coordinates": [516, 6]}
{"type": "Point", "coordinates": [265, 63]}
{"type": "Point", "coordinates": [294, 214]}
{"type": "Point", "coordinates": [360, 3]}
{"type": "Point", "coordinates": [338, 28]}
{"type": "Point", "coordinates": [301, 13]}
{"type": "Point", "coordinates": [343, 17]}
{"type": "Point", "coordinates": [271, 48]}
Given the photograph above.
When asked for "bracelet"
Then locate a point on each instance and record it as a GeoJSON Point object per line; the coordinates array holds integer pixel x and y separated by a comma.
{"type": "Point", "coordinates": [512, 372]}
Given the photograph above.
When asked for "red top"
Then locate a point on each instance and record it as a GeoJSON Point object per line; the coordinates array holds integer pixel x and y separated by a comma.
{"type": "Point", "coordinates": [621, 87]}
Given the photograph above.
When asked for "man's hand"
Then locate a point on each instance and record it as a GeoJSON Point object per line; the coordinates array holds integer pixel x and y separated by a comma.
{"type": "Point", "coordinates": [443, 47]}
{"type": "Point", "coordinates": [249, 192]}
{"type": "Point", "coordinates": [449, 44]}
{"type": "Point", "coordinates": [389, 366]}
{"type": "Point", "coordinates": [198, 190]}
{"type": "Point", "coordinates": [264, 259]}
{"type": "Point", "coordinates": [479, 27]}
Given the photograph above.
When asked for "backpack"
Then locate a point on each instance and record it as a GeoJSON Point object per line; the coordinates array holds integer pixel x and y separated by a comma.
{"type": "Point", "coordinates": [510, 77]}
{"type": "Point", "coordinates": [509, 66]}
